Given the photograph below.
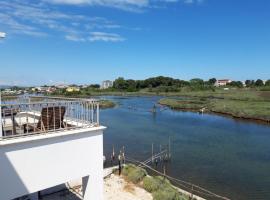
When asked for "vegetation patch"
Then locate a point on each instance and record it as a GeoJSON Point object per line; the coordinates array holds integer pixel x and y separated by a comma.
{"type": "Point", "coordinates": [253, 106]}
{"type": "Point", "coordinates": [106, 104]}
{"type": "Point", "coordinates": [134, 174]}
{"type": "Point", "coordinates": [185, 104]}
{"type": "Point", "coordinates": [159, 187]}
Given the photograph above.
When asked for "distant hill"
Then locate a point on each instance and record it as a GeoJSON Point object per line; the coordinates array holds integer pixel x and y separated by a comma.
{"type": "Point", "coordinates": [5, 86]}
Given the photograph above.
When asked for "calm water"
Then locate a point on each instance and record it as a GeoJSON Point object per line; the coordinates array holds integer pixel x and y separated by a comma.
{"type": "Point", "coordinates": [228, 157]}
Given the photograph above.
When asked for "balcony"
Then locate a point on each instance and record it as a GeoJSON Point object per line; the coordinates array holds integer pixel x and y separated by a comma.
{"type": "Point", "coordinates": [46, 115]}
{"type": "Point", "coordinates": [45, 142]}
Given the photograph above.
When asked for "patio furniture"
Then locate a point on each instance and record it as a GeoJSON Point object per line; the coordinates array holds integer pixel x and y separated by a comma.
{"type": "Point", "coordinates": [51, 118]}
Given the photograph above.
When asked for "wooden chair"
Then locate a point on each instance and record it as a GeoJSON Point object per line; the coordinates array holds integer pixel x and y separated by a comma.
{"type": "Point", "coordinates": [9, 112]}
{"type": "Point", "coordinates": [51, 118]}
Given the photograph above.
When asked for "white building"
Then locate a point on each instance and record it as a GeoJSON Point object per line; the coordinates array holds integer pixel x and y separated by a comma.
{"type": "Point", "coordinates": [106, 84]}
{"type": "Point", "coordinates": [45, 144]}
{"type": "Point", "coordinates": [222, 82]}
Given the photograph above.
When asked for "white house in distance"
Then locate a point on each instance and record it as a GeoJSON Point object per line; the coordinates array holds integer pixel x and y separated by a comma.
{"type": "Point", "coordinates": [106, 84]}
{"type": "Point", "coordinates": [222, 82]}
{"type": "Point", "coordinates": [46, 143]}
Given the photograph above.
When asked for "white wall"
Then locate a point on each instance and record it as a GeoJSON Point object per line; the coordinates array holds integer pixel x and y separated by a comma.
{"type": "Point", "coordinates": [37, 164]}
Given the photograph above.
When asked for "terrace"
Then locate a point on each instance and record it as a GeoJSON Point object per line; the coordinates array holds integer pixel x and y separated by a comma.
{"type": "Point", "coordinates": [46, 115]}
{"type": "Point", "coordinates": [45, 142]}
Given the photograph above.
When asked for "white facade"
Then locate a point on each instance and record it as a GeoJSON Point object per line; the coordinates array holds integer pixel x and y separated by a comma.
{"type": "Point", "coordinates": [223, 82]}
{"type": "Point", "coordinates": [106, 84]}
{"type": "Point", "coordinates": [34, 163]}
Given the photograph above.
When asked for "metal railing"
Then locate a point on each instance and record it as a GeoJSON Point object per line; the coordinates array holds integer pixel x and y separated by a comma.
{"type": "Point", "coordinates": [43, 115]}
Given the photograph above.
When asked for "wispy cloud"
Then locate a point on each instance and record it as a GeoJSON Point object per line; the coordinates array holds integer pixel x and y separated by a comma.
{"type": "Point", "coordinates": [75, 38]}
{"type": "Point", "coordinates": [106, 37]}
{"type": "Point", "coordinates": [193, 1]}
{"type": "Point", "coordinates": [96, 36]}
{"type": "Point", "coordinates": [23, 17]}
{"type": "Point", "coordinates": [42, 19]}
{"type": "Point", "coordinates": [128, 5]}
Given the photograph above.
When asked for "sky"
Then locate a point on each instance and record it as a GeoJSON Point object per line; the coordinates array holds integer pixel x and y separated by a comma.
{"type": "Point", "coordinates": [87, 41]}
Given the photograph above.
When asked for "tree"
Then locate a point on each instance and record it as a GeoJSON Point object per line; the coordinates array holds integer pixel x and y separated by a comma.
{"type": "Point", "coordinates": [248, 83]}
{"type": "Point", "coordinates": [120, 84]}
{"type": "Point", "coordinates": [212, 81]}
{"type": "Point", "coordinates": [238, 84]}
{"type": "Point", "coordinates": [196, 82]}
{"type": "Point", "coordinates": [267, 83]}
{"type": "Point", "coordinates": [259, 83]}
{"type": "Point", "coordinates": [94, 86]}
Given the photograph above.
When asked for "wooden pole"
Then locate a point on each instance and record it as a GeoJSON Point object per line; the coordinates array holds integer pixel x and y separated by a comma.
{"type": "Point", "coordinates": [152, 153]}
{"type": "Point", "coordinates": [169, 147]}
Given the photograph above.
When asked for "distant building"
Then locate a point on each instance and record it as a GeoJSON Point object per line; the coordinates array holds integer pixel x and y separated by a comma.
{"type": "Point", "coordinates": [72, 89]}
{"type": "Point", "coordinates": [222, 82]}
{"type": "Point", "coordinates": [61, 86]}
{"type": "Point", "coordinates": [8, 91]}
{"type": "Point", "coordinates": [106, 84]}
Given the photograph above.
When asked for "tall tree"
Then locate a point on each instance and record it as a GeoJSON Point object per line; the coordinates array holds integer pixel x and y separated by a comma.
{"type": "Point", "coordinates": [212, 81]}
{"type": "Point", "coordinates": [267, 83]}
{"type": "Point", "coordinates": [236, 84]}
{"type": "Point", "coordinates": [259, 83]}
{"type": "Point", "coordinates": [248, 83]}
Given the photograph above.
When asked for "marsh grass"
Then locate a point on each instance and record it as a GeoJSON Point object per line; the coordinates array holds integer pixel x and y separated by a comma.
{"type": "Point", "coordinates": [159, 187]}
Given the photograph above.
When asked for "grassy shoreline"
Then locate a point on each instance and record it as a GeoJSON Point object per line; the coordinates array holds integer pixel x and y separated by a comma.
{"type": "Point", "coordinates": [258, 111]}
{"type": "Point", "coordinates": [246, 104]}
{"type": "Point", "coordinates": [160, 187]}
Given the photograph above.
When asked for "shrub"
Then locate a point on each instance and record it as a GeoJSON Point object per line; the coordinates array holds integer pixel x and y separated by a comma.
{"type": "Point", "coordinates": [161, 189]}
{"type": "Point", "coordinates": [167, 193]}
{"type": "Point", "coordinates": [150, 184]}
{"type": "Point", "coordinates": [134, 174]}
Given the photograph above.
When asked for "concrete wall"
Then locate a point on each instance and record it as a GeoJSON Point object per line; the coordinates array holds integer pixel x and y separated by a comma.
{"type": "Point", "coordinates": [39, 162]}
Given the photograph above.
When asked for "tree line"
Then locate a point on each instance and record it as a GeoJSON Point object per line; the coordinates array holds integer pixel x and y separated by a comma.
{"type": "Point", "coordinates": [168, 84]}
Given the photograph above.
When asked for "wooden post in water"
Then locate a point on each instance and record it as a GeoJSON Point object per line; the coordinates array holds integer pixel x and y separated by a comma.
{"type": "Point", "coordinates": [113, 154]}
{"type": "Point", "coordinates": [160, 149]}
{"type": "Point", "coordinates": [191, 194]}
{"type": "Point", "coordinates": [152, 153]}
{"type": "Point", "coordinates": [169, 148]}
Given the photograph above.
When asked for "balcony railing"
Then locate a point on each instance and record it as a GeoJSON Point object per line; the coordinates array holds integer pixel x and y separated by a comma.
{"type": "Point", "coordinates": [45, 115]}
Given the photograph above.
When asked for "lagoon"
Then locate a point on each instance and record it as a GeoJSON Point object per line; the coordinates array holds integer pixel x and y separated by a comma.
{"type": "Point", "coordinates": [227, 156]}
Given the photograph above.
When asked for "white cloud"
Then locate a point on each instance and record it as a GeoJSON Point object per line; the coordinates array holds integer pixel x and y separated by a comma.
{"type": "Point", "coordinates": [23, 17]}
{"type": "Point", "coordinates": [74, 38]}
{"type": "Point", "coordinates": [42, 19]}
{"type": "Point", "coordinates": [96, 37]}
{"type": "Point", "coordinates": [105, 37]}
{"type": "Point", "coordinates": [140, 3]}
{"type": "Point", "coordinates": [2, 35]}
{"type": "Point", "coordinates": [75, 2]}
{"type": "Point", "coordinates": [128, 5]}
{"type": "Point", "coordinates": [193, 1]}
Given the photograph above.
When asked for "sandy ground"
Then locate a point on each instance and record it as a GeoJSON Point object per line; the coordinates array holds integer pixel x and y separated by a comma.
{"type": "Point", "coordinates": [116, 188]}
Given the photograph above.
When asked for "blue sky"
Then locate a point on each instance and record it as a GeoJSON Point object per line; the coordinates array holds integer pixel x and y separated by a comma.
{"type": "Point", "coordinates": [87, 41]}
